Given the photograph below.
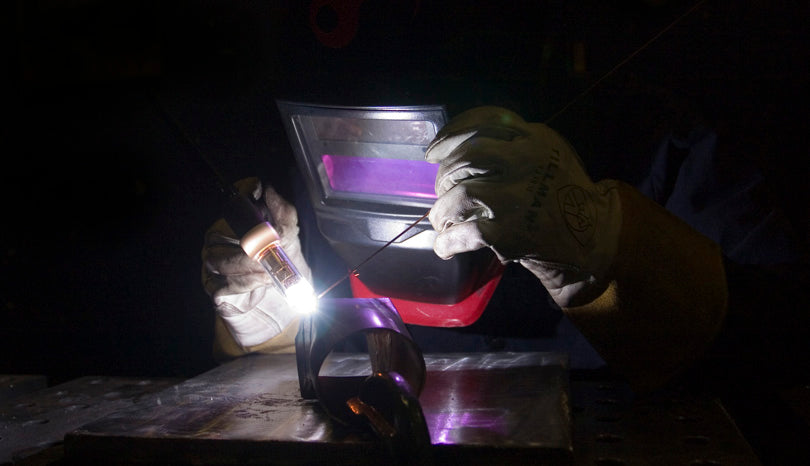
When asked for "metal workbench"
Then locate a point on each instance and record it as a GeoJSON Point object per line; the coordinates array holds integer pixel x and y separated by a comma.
{"type": "Point", "coordinates": [33, 423]}
{"type": "Point", "coordinates": [479, 408]}
{"type": "Point", "coordinates": [487, 408]}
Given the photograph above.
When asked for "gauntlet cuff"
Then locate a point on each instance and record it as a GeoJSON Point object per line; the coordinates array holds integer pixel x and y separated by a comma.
{"type": "Point", "coordinates": [666, 299]}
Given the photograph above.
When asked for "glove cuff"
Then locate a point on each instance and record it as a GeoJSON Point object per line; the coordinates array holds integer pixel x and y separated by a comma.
{"type": "Point", "coordinates": [666, 298]}
{"type": "Point", "coordinates": [608, 229]}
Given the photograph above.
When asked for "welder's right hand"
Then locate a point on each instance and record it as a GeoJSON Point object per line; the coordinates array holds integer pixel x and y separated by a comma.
{"type": "Point", "coordinates": [243, 293]}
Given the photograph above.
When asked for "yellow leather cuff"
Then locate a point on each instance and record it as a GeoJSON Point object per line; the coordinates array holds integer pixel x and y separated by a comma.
{"type": "Point", "coordinates": [666, 300]}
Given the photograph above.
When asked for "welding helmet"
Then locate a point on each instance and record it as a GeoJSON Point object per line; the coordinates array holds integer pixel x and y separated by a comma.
{"type": "Point", "coordinates": [368, 181]}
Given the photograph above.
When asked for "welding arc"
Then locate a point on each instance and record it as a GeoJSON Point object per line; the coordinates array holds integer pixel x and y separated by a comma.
{"type": "Point", "coordinates": [355, 272]}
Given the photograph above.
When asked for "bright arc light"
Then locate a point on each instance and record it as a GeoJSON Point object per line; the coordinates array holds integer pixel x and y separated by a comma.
{"type": "Point", "coordinates": [301, 297]}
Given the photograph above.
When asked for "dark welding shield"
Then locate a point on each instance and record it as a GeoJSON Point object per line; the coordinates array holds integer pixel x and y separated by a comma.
{"type": "Point", "coordinates": [368, 180]}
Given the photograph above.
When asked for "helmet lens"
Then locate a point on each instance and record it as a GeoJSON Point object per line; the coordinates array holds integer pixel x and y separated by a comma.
{"type": "Point", "coordinates": [368, 175]}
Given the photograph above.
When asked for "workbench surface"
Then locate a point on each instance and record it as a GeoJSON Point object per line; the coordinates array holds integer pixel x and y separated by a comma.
{"type": "Point", "coordinates": [480, 408]}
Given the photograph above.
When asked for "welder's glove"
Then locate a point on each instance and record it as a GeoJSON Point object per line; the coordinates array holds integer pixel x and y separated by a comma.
{"type": "Point", "coordinates": [520, 189]}
{"type": "Point", "coordinates": [244, 296]}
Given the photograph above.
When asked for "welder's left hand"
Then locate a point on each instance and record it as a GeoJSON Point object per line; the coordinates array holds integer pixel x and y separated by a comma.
{"type": "Point", "coordinates": [520, 189]}
{"type": "Point", "coordinates": [243, 293]}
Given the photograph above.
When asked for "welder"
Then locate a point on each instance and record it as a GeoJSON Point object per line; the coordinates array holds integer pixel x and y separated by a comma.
{"type": "Point", "coordinates": [654, 293]}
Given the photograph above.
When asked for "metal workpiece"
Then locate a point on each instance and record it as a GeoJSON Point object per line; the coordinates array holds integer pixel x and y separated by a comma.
{"type": "Point", "coordinates": [373, 323]}
{"type": "Point", "coordinates": [382, 397]}
{"type": "Point", "coordinates": [37, 421]}
{"type": "Point", "coordinates": [483, 408]}
{"type": "Point", "coordinates": [392, 411]}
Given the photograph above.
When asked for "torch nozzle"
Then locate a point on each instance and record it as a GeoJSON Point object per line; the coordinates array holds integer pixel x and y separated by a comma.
{"type": "Point", "coordinates": [261, 243]}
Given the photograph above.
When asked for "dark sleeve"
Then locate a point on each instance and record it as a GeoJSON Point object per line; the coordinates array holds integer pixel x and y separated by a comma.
{"type": "Point", "coordinates": [766, 333]}
{"type": "Point", "coordinates": [723, 196]}
{"type": "Point", "coordinates": [666, 301]}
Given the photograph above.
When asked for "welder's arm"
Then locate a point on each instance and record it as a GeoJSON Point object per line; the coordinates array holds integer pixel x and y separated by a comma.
{"type": "Point", "coordinates": [646, 290]}
{"type": "Point", "coordinates": [666, 296]}
{"type": "Point", "coordinates": [251, 314]}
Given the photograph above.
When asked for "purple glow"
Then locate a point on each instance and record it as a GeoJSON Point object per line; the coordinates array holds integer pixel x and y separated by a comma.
{"type": "Point", "coordinates": [450, 427]}
{"type": "Point", "coordinates": [410, 178]}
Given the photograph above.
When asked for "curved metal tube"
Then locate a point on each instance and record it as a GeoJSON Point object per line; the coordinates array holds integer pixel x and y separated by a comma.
{"type": "Point", "coordinates": [390, 348]}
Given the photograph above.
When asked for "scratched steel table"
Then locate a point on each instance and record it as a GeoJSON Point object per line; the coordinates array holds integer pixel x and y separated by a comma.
{"type": "Point", "coordinates": [35, 422]}
{"type": "Point", "coordinates": [483, 408]}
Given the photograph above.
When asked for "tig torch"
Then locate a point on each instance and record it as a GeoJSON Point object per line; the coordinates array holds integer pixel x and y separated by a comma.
{"type": "Point", "coordinates": [262, 243]}
{"type": "Point", "coordinates": [257, 237]}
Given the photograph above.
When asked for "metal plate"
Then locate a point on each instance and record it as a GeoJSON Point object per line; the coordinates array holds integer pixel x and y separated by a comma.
{"type": "Point", "coordinates": [19, 384]}
{"type": "Point", "coordinates": [478, 407]}
{"type": "Point", "coordinates": [33, 422]}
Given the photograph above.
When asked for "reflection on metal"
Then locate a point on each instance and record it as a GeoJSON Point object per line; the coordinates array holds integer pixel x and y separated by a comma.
{"type": "Point", "coordinates": [487, 408]}
{"type": "Point", "coordinates": [384, 399]}
{"type": "Point", "coordinates": [389, 344]}
{"type": "Point", "coordinates": [36, 421]}
{"type": "Point", "coordinates": [500, 399]}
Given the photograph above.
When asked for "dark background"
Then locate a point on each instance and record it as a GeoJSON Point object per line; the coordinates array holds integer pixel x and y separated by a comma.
{"type": "Point", "coordinates": [104, 205]}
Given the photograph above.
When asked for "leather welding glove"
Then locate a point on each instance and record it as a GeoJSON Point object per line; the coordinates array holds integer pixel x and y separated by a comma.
{"type": "Point", "coordinates": [645, 288]}
{"type": "Point", "coordinates": [520, 189]}
{"type": "Point", "coordinates": [252, 315]}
